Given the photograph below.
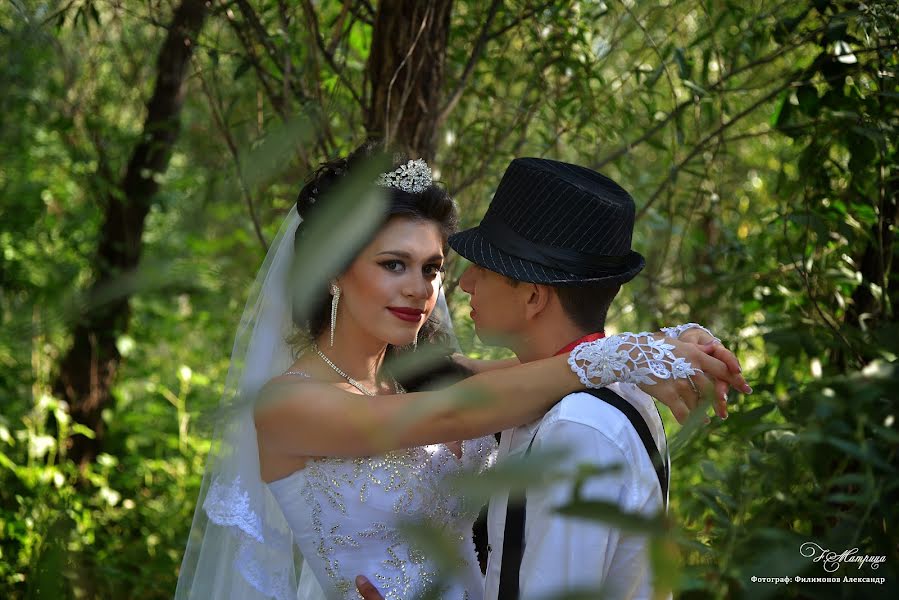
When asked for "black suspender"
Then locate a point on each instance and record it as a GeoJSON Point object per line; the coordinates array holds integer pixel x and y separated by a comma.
{"type": "Point", "coordinates": [513, 542]}
{"type": "Point", "coordinates": [639, 423]}
{"type": "Point", "coordinates": [516, 514]}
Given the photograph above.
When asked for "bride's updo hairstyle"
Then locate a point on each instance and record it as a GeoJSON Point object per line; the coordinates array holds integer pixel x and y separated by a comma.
{"type": "Point", "coordinates": [432, 204]}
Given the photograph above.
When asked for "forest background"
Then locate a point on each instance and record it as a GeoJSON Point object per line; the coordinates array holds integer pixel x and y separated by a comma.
{"type": "Point", "coordinates": [149, 150]}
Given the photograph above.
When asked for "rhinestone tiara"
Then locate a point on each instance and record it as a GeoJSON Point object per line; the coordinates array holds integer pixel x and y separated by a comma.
{"type": "Point", "coordinates": [413, 177]}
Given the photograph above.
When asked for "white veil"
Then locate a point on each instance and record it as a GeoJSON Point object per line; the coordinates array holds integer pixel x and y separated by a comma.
{"type": "Point", "coordinates": [240, 546]}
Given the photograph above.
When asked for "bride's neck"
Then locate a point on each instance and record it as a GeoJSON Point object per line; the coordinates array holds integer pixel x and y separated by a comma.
{"type": "Point", "coordinates": [359, 356]}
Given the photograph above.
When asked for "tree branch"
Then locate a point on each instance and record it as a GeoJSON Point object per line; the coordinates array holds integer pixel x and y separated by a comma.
{"type": "Point", "coordinates": [218, 117]}
{"type": "Point", "coordinates": [479, 46]}
{"type": "Point", "coordinates": [628, 146]}
{"type": "Point", "coordinates": [523, 17]}
{"type": "Point", "coordinates": [338, 27]}
{"type": "Point", "coordinates": [256, 25]}
{"type": "Point", "coordinates": [699, 146]}
{"type": "Point", "coordinates": [276, 99]}
{"type": "Point", "coordinates": [311, 17]}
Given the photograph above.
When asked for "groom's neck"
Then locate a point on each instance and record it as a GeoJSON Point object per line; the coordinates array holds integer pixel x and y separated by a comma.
{"type": "Point", "coordinates": [545, 339]}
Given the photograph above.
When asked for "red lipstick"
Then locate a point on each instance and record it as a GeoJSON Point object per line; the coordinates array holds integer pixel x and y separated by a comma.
{"type": "Point", "coordinates": [410, 315]}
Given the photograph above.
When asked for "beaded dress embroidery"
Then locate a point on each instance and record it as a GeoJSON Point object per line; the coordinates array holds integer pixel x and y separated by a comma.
{"type": "Point", "coordinates": [346, 513]}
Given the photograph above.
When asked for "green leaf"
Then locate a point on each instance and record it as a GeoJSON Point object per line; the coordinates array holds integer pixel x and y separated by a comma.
{"type": "Point", "coordinates": [242, 67]}
{"type": "Point", "coordinates": [683, 65]}
{"type": "Point", "coordinates": [611, 513]}
{"type": "Point", "coordinates": [698, 89]}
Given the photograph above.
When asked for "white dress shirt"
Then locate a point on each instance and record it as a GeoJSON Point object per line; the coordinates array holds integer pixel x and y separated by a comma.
{"type": "Point", "coordinates": [566, 553]}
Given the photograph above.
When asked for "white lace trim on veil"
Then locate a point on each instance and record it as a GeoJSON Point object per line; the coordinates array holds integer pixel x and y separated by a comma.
{"type": "Point", "coordinates": [240, 545]}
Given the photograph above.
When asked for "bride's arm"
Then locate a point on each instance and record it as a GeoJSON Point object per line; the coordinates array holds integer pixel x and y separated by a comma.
{"type": "Point", "coordinates": [320, 419]}
{"type": "Point", "coordinates": [689, 332]}
{"type": "Point", "coordinates": [313, 419]}
{"type": "Point", "coordinates": [483, 365]}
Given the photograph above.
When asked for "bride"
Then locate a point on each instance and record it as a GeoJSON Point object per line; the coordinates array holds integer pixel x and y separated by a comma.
{"type": "Point", "coordinates": [322, 453]}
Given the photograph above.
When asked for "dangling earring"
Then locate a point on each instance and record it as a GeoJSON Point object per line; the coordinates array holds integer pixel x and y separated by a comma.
{"type": "Point", "coordinates": [335, 299]}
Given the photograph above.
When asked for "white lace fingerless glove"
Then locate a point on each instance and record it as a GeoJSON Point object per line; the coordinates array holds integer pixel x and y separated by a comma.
{"type": "Point", "coordinates": [636, 358]}
{"type": "Point", "coordinates": [675, 332]}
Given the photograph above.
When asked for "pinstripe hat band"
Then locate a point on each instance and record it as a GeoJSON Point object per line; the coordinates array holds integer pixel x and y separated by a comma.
{"type": "Point", "coordinates": [578, 262]}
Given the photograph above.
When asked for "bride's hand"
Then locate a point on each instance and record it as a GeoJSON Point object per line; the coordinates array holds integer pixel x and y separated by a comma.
{"type": "Point", "coordinates": [714, 347]}
{"type": "Point", "coordinates": [697, 334]}
{"type": "Point", "coordinates": [676, 373]}
{"type": "Point", "coordinates": [717, 371]}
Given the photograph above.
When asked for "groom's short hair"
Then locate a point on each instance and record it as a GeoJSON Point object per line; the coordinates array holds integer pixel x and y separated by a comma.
{"type": "Point", "coordinates": [586, 305]}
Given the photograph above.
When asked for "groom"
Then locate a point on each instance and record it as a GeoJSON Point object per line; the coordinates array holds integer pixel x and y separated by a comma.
{"type": "Point", "coordinates": [547, 260]}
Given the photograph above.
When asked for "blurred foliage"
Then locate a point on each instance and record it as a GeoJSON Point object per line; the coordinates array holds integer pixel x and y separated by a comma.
{"type": "Point", "coordinates": [758, 139]}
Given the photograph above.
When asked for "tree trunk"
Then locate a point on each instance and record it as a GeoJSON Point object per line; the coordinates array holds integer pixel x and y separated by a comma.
{"type": "Point", "coordinates": [406, 72]}
{"type": "Point", "coordinates": [88, 369]}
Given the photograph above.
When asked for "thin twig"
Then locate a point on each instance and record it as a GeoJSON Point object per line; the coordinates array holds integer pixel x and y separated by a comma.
{"type": "Point", "coordinates": [312, 18]}
{"type": "Point", "coordinates": [55, 14]}
{"type": "Point", "coordinates": [326, 137]}
{"type": "Point", "coordinates": [256, 25]}
{"type": "Point", "coordinates": [523, 17]}
{"type": "Point", "coordinates": [338, 28]}
{"type": "Point", "coordinates": [479, 46]}
{"type": "Point", "coordinates": [263, 75]}
{"type": "Point", "coordinates": [628, 146]}
{"type": "Point", "coordinates": [662, 63]}
{"type": "Point", "coordinates": [218, 117]}
{"type": "Point", "coordinates": [700, 146]}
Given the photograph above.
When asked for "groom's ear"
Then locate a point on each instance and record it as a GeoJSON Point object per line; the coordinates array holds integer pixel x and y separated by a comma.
{"type": "Point", "coordinates": [538, 299]}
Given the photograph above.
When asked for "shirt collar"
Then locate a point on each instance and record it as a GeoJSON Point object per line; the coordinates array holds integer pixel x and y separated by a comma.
{"type": "Point", "coordinates": [587, 338]}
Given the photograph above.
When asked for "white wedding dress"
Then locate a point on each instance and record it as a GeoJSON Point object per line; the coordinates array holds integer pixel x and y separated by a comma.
{"type": "Point", "coordinates": [345, 515]}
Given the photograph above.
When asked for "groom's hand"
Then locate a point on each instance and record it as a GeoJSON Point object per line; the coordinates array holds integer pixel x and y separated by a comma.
{"type": "Point", "coordinates": [367, 589]}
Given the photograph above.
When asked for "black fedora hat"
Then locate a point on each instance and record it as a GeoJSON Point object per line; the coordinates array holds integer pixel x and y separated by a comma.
{"type": "Point", "coordinates": [557, 224]}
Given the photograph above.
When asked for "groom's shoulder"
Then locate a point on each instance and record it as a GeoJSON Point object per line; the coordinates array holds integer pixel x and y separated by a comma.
{"type": "Point", "coordinates": [590, 411]}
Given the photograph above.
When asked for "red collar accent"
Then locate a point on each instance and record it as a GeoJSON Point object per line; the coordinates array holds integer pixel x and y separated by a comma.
{"type": "Point", "coordinates": [587, 338]}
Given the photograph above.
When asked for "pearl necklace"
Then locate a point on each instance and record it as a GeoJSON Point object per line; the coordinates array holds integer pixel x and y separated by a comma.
{"type": "Point", "coordinates": [350, 380]}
